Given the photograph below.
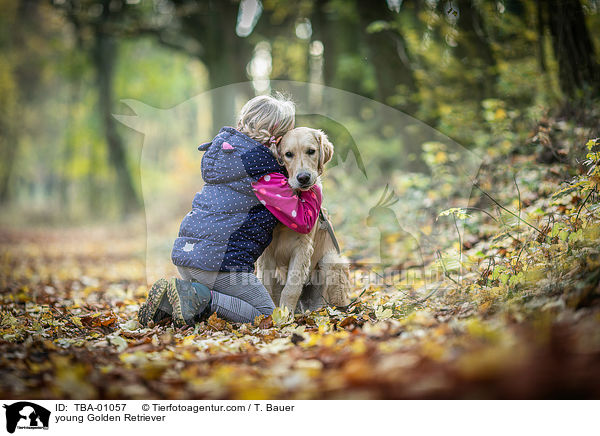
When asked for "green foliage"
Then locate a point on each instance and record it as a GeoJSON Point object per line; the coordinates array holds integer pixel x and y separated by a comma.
{"type": "Point", "coordinates": [484, 90]}
{"type": "Point", "coordinates": [542, 269]}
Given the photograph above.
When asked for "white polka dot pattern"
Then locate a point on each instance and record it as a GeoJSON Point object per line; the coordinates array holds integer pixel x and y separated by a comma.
{"type": "Point", "coordinates": [227, 228]}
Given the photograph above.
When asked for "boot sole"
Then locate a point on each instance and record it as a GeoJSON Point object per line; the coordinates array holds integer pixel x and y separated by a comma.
{"type": "Point", "coordinates": [150, 307]}
{"type": "Point", "coordinates": [201, 303]}
{"type": "Point", "coordinates": [173, 297]}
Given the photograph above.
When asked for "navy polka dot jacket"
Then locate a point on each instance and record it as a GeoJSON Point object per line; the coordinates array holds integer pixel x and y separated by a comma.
{"type": "Point", "coordinates": [228, 228]}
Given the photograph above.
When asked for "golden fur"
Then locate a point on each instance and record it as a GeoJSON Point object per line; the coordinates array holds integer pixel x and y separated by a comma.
{"type": "Point", "coordinates": [295, 261]}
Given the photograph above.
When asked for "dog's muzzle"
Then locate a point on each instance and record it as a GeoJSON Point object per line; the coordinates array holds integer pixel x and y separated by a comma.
{"type": "Point", "coordinates": [305, 180]}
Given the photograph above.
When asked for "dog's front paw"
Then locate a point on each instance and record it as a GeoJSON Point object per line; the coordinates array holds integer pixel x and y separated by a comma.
{"type": "Point", "coordinates": [288, 299]}
{"type": "Point", "coordinates": [287, 306]}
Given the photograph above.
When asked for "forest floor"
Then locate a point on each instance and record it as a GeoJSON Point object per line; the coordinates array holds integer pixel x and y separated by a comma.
{"type": "Point", "coordinates": [522, 321]}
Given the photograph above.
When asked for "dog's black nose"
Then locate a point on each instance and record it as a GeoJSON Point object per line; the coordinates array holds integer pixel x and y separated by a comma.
{"type": "Point", "coordinates": [303, 178]}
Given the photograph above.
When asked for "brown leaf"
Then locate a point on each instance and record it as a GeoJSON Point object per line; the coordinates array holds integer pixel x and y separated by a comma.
{"type": "Point", "coordinates": [216, 323]}
{"type": "Point", "coordinates": [305, 320]}
{"type": "Point", "coordinates": [99, 319]}
{"type": "Point", "coordinates": [349, 321]}
{"type": "Point", "coordinates": [266, 323]}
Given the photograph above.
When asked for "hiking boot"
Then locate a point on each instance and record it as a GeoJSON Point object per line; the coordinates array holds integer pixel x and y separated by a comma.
{"type": "Point", "coordinates": [190, 302]}
{"type": "Point", "coordinates": [157, 306]}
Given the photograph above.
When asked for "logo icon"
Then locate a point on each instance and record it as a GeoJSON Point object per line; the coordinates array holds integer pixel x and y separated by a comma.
{"type": "Point", "coordinates": [26, 415]}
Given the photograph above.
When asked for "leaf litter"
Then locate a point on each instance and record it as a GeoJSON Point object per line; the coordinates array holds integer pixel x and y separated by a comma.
{"type": "Point", "coordinates": [521, 321]}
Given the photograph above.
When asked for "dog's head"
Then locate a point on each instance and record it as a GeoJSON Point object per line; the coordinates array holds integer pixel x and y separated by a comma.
{"type": "Point", "coordinates": [304, 152]}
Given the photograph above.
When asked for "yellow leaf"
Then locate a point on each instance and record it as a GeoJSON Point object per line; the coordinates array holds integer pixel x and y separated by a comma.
{"type": "Point", "coordinates": [77, 321]}
{"type": "Point", "coordinates": [281, 315]}
{"type": "Point", "coordinates": [500, 114]}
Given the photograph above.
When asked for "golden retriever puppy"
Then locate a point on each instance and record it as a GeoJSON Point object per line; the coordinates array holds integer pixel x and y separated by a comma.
{"type": "Point", "coordinates": [304, 270]}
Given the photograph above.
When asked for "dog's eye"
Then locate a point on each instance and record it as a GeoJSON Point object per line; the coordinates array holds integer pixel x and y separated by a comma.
{"type": "Point", "coordinates": [289, 154]}
{"type": "Point", "coordinates": [310, 151]}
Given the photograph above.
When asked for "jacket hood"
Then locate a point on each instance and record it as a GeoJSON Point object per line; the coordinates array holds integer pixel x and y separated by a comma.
{"type": "Point", "coordinates": [222, 160]}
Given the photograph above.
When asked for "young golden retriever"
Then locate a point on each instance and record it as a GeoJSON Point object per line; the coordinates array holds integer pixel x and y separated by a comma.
{"type": "Point", "coordinates": [304, 271]}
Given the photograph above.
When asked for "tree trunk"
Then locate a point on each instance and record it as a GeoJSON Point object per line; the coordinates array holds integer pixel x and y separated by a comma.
{"type": "Point", "coordinates": [104, 53]}
{"type": "Point", "coordinates": [8, 132]}
{"type": "Point", "coordinates": [225, 70]}
{"type": "Point", "coordinates": [541, 39]}
{"type": "Point", "coordinates": [474, 49]}
{"type": "Point", "coordinates": [577, 68]}
{"type": "Point", "coordinates": [18, 19]}
{"type": "Point", "coordinates": [389, 57]}
{"type": "Point", "coordinates": [344, 63]}
{"type": "Point", "coordinates": [225, 55]}
{"type": "Point", "coordinates": [8, 149]}
{"type": "Point", "coordinates": [515, 7]}
{"type": "Point", "coordinates": [328, 26]}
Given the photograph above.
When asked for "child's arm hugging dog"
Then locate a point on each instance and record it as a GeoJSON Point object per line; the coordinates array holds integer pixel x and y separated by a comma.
{"type": "Point", "coordinates": [231, 222]}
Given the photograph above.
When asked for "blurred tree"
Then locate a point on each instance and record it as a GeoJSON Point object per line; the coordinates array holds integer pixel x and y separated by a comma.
{"type": "Point", "coordinates": [541, 26]}
{"type": "Point", "coordinates": [211, 27]}
{"type": "Point", "coordinates": [104, 56]}
{"type": "Point", "coordinates": [22, 42]}
{"type": "Point", "coordinates": [515, 7]}
{"type": "Point", "coordinates": [8, 97]}
{"type": "Point", "coordinates": [439, 60]}
{"type": "Point", "coordinates": [344, 65]}
{"type": "Point", "coordinates": [95, 23]}
{"type": "Point", "coordinates": [474, 50]}
{"type": "Point", "coordinates": [388, 54]}
{"type": "Point", "coordinates": [207, 31]}
{"type": "Point", "coordinates": [577, 68]}
{"type": "Point", "coordinates": [204, 30]}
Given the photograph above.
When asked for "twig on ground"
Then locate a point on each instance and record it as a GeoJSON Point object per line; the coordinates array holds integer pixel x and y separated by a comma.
{"type": "Point", "coordinates": [503, 208]}
{"type": "Point", "coordinates": [460, 245]}
{"type": "Point", "coordinates": [66, 316]}
{"type": "Point", "coordinates": [481, 210]}
{"type": "Point", "coordinates": [582, 204]}
{"type": "Point", "coordinates": [446, 273]}
{"type": "Point", "coordinates": [519, 193]}
{"type": "Point", "coordinates": [424, 299]}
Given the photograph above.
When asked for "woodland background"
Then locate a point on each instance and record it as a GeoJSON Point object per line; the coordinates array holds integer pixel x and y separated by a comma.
{"type": "Point", "coordinates": [498, 296]}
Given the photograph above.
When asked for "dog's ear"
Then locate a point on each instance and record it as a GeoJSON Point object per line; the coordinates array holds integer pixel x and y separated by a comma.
{"type": "Point", "coordinates": [276, 151]}
{"type": "Point", "coordinates": [325, 149]}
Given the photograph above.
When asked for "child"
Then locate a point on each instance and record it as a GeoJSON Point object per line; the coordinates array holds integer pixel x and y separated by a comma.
{"type": "Point", "coordinates": [228, 227]}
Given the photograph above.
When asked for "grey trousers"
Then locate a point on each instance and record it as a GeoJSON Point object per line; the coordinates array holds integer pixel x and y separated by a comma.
{"type": "Point", "coordinates": [236, 296]}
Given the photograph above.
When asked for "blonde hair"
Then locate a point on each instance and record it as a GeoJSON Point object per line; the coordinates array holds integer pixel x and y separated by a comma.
{"type": "Point", "coordinates": [264, 117]}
